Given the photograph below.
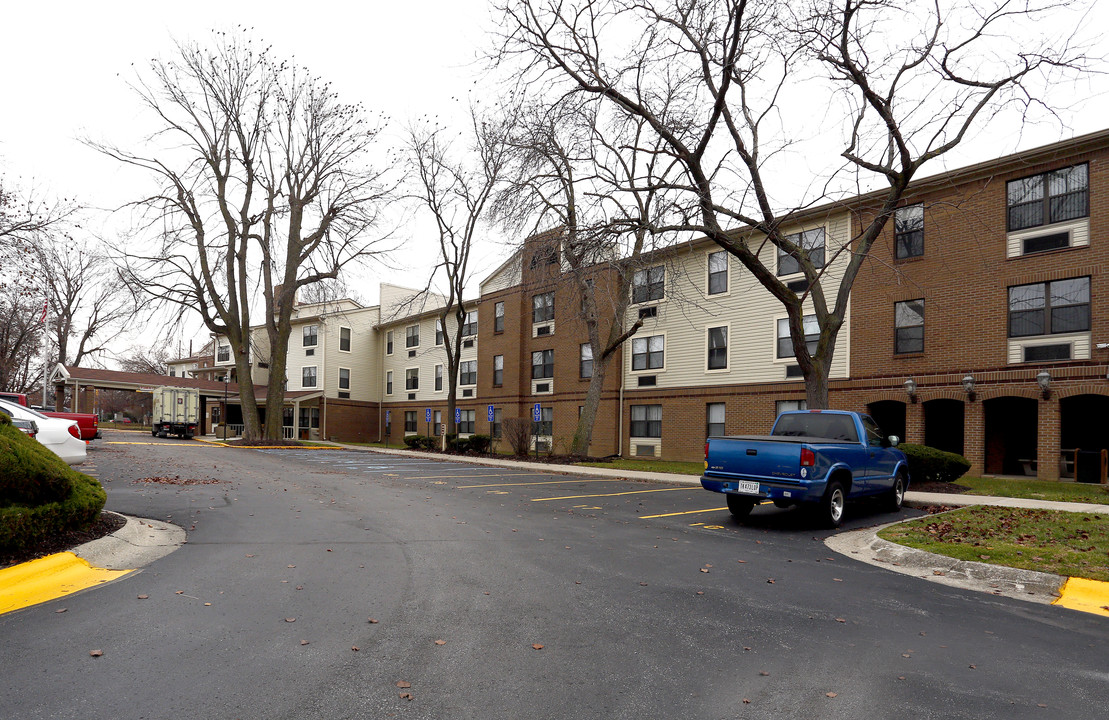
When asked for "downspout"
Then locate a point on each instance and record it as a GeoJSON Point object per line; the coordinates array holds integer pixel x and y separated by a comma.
{"type": "Point", "coordinates": [323, 362]}
{"type": "Point", "coordinates": [620, 415]}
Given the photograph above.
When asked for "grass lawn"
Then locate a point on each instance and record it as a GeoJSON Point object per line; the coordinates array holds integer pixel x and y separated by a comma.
{"type": "Point", "coordinates": [661, 466]}
{"type": "Point", "coordinates": [1064, 543]}
{"type": "Point", "coordinates": [1037, 489]}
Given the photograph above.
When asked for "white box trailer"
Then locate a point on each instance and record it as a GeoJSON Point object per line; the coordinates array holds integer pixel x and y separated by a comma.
{"type": "Point", "coordinates": [176, 412]}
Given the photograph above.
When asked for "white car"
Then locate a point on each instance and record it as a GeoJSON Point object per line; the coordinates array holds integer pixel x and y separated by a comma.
{"type": "Point", "coordinates": [60, 436]}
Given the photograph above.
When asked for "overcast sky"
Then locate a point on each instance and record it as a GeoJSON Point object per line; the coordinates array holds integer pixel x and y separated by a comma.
{"type": "Point", "coordinates": [66, 68]}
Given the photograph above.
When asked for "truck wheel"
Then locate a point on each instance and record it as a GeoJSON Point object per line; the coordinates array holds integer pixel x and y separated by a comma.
{"type": "Point", "coordinates": [154, 432]}
{"type": "Point", "coordinates": [739, 506]}
{"type": "Point", "coordinates": [896, 496]}
{"type": "Point", "coordinates": [832, 504]}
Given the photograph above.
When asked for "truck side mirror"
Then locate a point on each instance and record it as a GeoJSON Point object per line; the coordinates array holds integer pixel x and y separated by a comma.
{"type": "Point", "coordinates": [894, 440]}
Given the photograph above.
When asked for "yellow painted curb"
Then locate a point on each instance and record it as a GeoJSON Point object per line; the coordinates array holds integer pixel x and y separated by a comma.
{"type": "Point", "coordinates": [48, 578]}
{"type": "Point", "coordinates": [1090, 596]}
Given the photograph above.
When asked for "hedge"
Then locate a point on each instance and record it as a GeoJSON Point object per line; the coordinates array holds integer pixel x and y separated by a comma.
{"type": "Point", "coordinates": [928, 464]}
{"type": "Point", "coordinates": [40, 495]}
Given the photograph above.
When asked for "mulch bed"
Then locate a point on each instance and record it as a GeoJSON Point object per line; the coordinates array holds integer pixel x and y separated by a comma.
{"type": "Point", "coordinates": [106, 525]}
{"type": "Point", "coordinates": [938, 487]}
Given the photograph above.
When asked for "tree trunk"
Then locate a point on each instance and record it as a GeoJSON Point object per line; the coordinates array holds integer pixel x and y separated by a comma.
{"type": "Point", "coordinates": [583, 434]}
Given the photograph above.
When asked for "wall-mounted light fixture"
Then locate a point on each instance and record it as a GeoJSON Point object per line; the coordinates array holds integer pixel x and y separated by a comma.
{"type": "Point", "coordinates": [968, 386]}
{"type": "Point", "coordinates": [910, 389]}
{"type": "Point", "coordinates": [1043, 379]}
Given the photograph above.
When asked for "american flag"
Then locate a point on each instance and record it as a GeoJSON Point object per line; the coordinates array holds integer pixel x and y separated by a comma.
{"type": "Point", "coordinates": [45, 303]}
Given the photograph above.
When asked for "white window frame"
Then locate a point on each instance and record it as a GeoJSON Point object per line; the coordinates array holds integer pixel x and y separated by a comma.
{"type": "Point", "coordinates": [315, 335]}
{"type": "Point", "coordinates": [648, 370]}
{"type": "Point", "coordinates": [727, 349]}
{"type": "Point", "coordinates": [350, 338]}
{"type": "Point", "coordinates": [315, 377]}
{"type": "Point", "coordinates": [407, 374]}
{"type": "Point", "coordinates": [727, 274]}
{"type": "Point", "coordinates": [388, 382]}
{"type": "Point", "coordinates": [791, 360]}
{"type": "Point", "coordinates": [408, 336]}
{"type": "Point", "coordinates": [438, 381]}
{"type": "Point", "coordinates": [339, 379]}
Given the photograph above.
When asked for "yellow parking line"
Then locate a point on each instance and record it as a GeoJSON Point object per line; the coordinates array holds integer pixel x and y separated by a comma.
{"type": "Point", "coordinates": [633, 492]}
{"type": "Point", "coordinates": [545, 482]}
{"type": "Point", "coordinates": [180, 444]}
{"type": "Point", "coordinates": [49, 577]}
{"type": "Point", "coordinates": [692, 512]}
{"type": "Point", "coordinates": [456, 477]}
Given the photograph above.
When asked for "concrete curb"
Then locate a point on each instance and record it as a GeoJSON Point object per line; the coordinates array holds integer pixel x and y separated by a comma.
{"type": "Point", "coordinates": [135, 545]}
{"type": "Point", "coordinates": [865, 545]}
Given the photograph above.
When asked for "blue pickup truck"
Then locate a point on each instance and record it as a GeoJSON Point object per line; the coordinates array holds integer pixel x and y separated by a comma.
{"type": "Point", "coordinates": [816, 457]}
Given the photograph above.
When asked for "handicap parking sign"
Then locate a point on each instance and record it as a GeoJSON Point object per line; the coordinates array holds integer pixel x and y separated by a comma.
{"type": "Point", "coordinates": [427, 415]}
{"type": "Point", "coordinates": [537, 413]}
{"type": "Point", "coordinates": [491, 413]}
{"type": "Point", "coordinates": [458, 415]}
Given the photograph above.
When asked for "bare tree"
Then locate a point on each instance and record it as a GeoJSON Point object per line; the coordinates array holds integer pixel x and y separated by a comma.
{"type": "Point", "coordinates": [266, 188]}
{"type": "Point", "coordinates": [589, 176]}
{"type": "Point", "coordinates": [21, 329]}
{"type": "Point", "coordinates": [150, 360]}
{"type": "Point", "coordinates": [455, 185]}
{"type": "Point", "coordinates": [24, 216]}
{"type": "Point", "coordinates": [729, 85]}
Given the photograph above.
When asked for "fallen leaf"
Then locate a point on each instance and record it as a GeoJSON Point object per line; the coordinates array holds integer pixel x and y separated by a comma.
{"type": "Point", "coordinates": [700, 592]}
{"type": "Point", "coordinates": [704, 570]}
{"type": "Point", "coordinates": [906, 655]}
{"type": "Point", "coordinates": [1041, 705]}
{"type": "Point", "coordinates": [373, 622]}
{"type": "Point", "coordinates": [900, 677]}
{"type": "Point", "coordinates": [354, 648]}
{"type": "Point", "coordinates": [837, 580]}
{"type": "Point", "coordinates": [841, 620]}
{"type": "Point", "coordinates": [300, 587]}
{"type": "Point", "coordinates": [741, 561]}
{"type": "Point", "coordinates": [303, 642]}
{"type": "Point", "coordinates": [831, 694]}
{"type": "Point", "coordinates": [403, 684]}
{"type": "Point", "coordinates": [708, 565]}
{"type": "Point", "coordinates": [746, 649]}
{"type": "Point", "coordinates": [938, 572]}
{"type": "Point", "coordinates": [406, 696]}
{"type": "Point", "coordinates": [973, 667]}
{"type": "Point", "coordinates": [207, 604]}
{"type": "Point", "coordinates": [96, 653]}
{"type": "Point", "coordinates": [329, 549]}
{"type": "Point", "coordinates": [250, 556]}
{"type": "Point", "coordinates": [180, 592]}
{"type": "Point", "coordinates": [763, 673]}
{"type": "Point", "coordinates": [536, 646]}
{"type": "Point", "coordinates": [440, 642]}
{"type": "Point", "coordinates": [290, 566]}
{"type": "Point", "coordinates": [290, 619]}
{"type": "Point", "coordinates": [770, 580]}
{"type": "Point", "coordinates": [643, 584]}
{"type": "Point", "coordinates": [60, 610]}
{"type": "Point", "coordinates": [144, 597]}
{"type": "Point", "coordinates": [746, 701]}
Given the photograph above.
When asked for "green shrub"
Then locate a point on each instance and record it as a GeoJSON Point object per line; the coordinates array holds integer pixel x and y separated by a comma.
{"type": "Point", "coordinates": [457, 444]}
{"type": "Point", "coordinates": [40, 495]}
{"type": "Point", "coordinates": [429, 442]}
{"type": "Point", "coordinates": [413, 441]}
{"type": "Point", "coordinates": [480, 443]}
{"type": "Point", "coordinates": [927, 464]}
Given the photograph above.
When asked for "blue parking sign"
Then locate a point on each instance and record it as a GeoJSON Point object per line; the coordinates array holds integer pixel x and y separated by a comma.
{"type": "Point", "coordinates": [458, 415]}
{"type": "Point", "coordinates": [427, 415]}
{"type": "Point", "coordinates": [491, 413]}
{"type": "Point", "coordinates": [537, 412]}
{"type": "Point", "coordinates": [388, 416]}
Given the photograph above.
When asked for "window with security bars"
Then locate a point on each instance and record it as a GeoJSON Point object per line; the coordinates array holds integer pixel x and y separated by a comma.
{"type": "Point", "coordinates": [718, 348]}
{"type": "Point", "coordinates": [812, 336]}
{"type": "Point", "coordinates": [648, 353]}
{"type": "Point", "coordinates": [1047, 198]}
{"type": "Point", "coordinates": [646, 421]}
{"type": "Point", "coordinates": [718, 272]}
{"type": "Point", "coordinates": [1049, 308]}
{"type": "Point", "coordinates": [542, 307]}
{"type": "Point", "coordinates": [648, 284]}
{"type": "Point", "coordinates": [908, 320]}
{"type": "Point", "coordinates": [714, 419]}
{"type": "Point", "coordinates": [542, 364]}
{"type": "Point", "coordinates": [811, 242]}
{"type": "Point", "coordinates": [908, 231]}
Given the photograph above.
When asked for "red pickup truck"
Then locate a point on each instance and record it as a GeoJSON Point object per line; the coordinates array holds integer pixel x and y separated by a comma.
{"type": "Point", "coordinates": [87, 423]}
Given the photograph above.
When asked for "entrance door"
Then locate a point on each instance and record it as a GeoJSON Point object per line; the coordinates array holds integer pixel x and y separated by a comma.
{"type": "Point", "coordinates": [943, 425]}
{"type": "Point", "coordinates": [1010, 435]}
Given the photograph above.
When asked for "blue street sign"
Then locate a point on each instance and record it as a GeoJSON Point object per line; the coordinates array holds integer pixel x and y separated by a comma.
{"type": "Point", "coordinates": [427, 415]}
{"type": "Point", "coordinates": [537, 412]}
{"type": "Point", "coordinates": [458, 415]}
{"type": "Point", "coordinates": [491, 413]}
{"type": "Point", "coordinates": [388, 416]}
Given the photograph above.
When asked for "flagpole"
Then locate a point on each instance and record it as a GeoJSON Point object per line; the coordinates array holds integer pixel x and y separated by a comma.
{"type": "Point", "coordinates": [45, 352]}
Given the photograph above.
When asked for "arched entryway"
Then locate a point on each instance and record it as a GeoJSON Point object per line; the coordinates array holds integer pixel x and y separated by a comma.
{"type": "Point", "coordinates": [1011, 436]}
{"type": "Point", "coordinates": [1083, 426]}
{"type": "Point", "coordinates": [890, 416]}
{"type": "Point", "coordinates": [943, 425]}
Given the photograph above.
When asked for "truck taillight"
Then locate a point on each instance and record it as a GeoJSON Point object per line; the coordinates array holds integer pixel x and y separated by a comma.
{"type": "Point", "coordinates": [706, 450]}
{"type": "Point", "coordinates": [808, 457]}
{"type": "Point", "coordinates": [74, 432]}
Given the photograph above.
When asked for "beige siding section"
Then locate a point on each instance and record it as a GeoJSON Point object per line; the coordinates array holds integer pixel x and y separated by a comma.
{"type": "Point", "coordinates": [1079, 235]}
{"type": "Point", "coordinates": [506, 276]}
{"type": "Point", "coordinates": [363, 360]}
{"type": "Point", "coordinates": [1079, 342]}
{"type": "Point", "coordinates": [747, 309]}
{"type": "Point", "coordinates": [426, 356]}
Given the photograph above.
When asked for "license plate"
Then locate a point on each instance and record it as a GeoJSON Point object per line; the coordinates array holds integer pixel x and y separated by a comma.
{"type": "Point", "coordinates": [747, 487]}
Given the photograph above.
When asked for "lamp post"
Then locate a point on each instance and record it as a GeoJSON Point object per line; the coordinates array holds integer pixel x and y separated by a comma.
{"type": "Point", "coordinates": [225, 379]}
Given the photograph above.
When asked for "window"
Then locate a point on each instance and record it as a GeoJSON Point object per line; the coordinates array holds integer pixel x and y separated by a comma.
{"type": "Point", "coordinates": [498, 370]}
{"type": "Point", "coordinates": [344, 378]}
{"type": "Point", "coordinates": [410, 421]}
{"type": "Point", "coordinates": [542, 364]}
{"type": "Point", "coordinates": [438, 331]}
{"type": "Point", "coordinates": [466, 425]}
{"type": "Point", "coordinates": [470, 326]}
{"type": "Point", "coordinates": [648, 353]}
{"type": "Point", "coordinates": [718, 348]}
{"type": "Point", "coordinates": [437, 423]}
{"type": "Point", "coordinates": [1060, 306]}
{"type": "Point", "coordinates": [223, 354]}
{"type": "Point", "coordinates": [811, 242]}
{"type": "Point", "coordinates": [412, 336]}
{"type": "Point", "coordinates": [782, 406]}
{"type": "Point", "coordinates": [412, 379]}
{"type": "Point", "coordinates": [646, 421]}
{"type": "Point", "coordinates": [714, 419]}
{"type": "Point", "coordinates": [389, 343]}
{"type": "Point", "coordinates": [498, 317]}
{"type": "Point", "coordinates": [718, 272]}
{"type": "Point", "coordinates": [495, 431]}
{"type": "Point", "coordinates": [308, 376]}
{"type": "Point", "coordinates": [586, 368]}
{"type": "Point", "coordinates": [908, 320]}
{"type": "Point", "coordinates": [908, 231]}
{"type": "Point", "coordinates": [344, 339]}
{"type": "Point", "coordinates": [309, 336]}
{"type": "Point", "coordinates": [438, 378]}
{"type": "Point", "coordinates": [389, 382]}
{"type": "Point", "coordinates": [812, 335]}
{"type": "Point", "coordinates": [546, 422]}
{"type": "Point", "coordinates": [173, 373]}
{"type": "Point", "coordinates": [542, 307]}
{"type": "Point", "coordinates": [467, 372]}
{"type": "Point", "coordinates": [648, 284]}
{"type": "Point", "coordinates": [1048, 198]}
{"type": "Point", "coordinates": [310, 417]}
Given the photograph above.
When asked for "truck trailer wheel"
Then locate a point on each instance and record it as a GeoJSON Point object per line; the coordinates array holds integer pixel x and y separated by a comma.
{"type": "Point", "coordinates": [832, 504]}
{"type": "Point", "coordinates": [739, 506]}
